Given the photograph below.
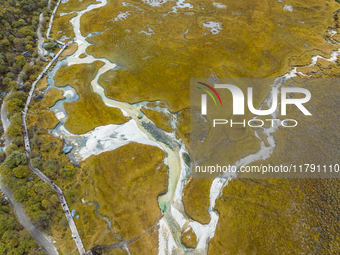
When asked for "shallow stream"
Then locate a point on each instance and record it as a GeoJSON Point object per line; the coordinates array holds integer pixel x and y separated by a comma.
{"type": "Point", "coordinates": [142, 130]}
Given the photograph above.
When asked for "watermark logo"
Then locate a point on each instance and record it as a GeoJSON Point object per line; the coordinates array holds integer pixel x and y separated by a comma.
{"type": "Point", "coordinates": [204, 96]}
{"type": "Point", "coordinates": [238, 99]}
{"type": "Point", "coordinates": [282, 127]}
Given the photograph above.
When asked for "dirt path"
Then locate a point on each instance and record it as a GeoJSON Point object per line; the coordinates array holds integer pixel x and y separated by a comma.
{"type": "Point", "coordinates": [25, 222]}
{"type": "Point", "coordinates": [19, 211]}
{"type": "Point", "coordinates": [40, 38]}
{"type": "Point", "coordinates": [5, 122]}
{"type": "Point", "coordinates": [40, 48]}
{"type": "Point", "coordinates": [51, 20]}
{"type": "Point", "coordinates": [66, 210]}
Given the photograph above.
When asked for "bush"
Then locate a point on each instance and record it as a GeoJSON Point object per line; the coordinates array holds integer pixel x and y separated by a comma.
{"type": "Point", "coordinates": [15, 129]}
{"type": "Point", "coordinates": [68, 171]}
{"type": "Point", "coordinates": [50, 46]}
{"type": "Point", "coordinates": [15, 159]}
{"type": "Point", "coordinates": [21, 171]}
{"type": "Point", "coordinates": [20, 194]}
{"type": "Point", "coordinates": [72, 194]}
{"type": "Point", "coordinates": [35, 54]}
{"type": "Point", "coordinates": [19, 141]}
{"type": "Point", "coordinates": [10, 148]}
{"type": "Point", "coordinates": [37, 162]}
{"type": "Point", "coordinates": [15, 102]}
{"type": "Point", "coordinates": [13, 86]}
{"type": "Point", "coordinates": [49, 168]}
{"type": "Point", "coordinates": [21, 60]}
{"type": "Point", "coordinates": [23, 76]}
{"type": "Point", "coordinates": [6, 81]}
{"type": "Point", "coordinates": [37, 142]}
{"type": "Point", "coordinates": [11, 75]}
{"type": "Point", "coordinates": [28, 68]}
{"type": "Point", "coordinates": [63, 222]}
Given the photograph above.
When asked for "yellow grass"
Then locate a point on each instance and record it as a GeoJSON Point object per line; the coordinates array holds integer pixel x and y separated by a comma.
{"type": "Point", "coordinates": [160, 119]}
{"type": "Point", "coordinates": [72, 48]}
{"type": "Point", "coordinates": [89, 111]}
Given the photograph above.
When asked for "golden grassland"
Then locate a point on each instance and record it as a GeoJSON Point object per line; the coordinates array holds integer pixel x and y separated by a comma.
{"type": "Point", "coordinates": [263, 37]}
{"type": "Point", "coordinates": [189, 238]}
{"type": "Point", "coordinates": [93, 230]}
{"type": "Point", "coordinates": [74, 5]}
{"type": "Point", "coordinates": [89, 111]}
{"type": "Point", "coordinates": [306, 142]}
{"type": "Point", "coordinates": [264, 46]}
{"type": "Point", "coordinates": [83, 55]}
{"type": "Point", "coordinates": [72, 48]}
{"type": "Point", "coordinates": [38, 124]}
{"type": "Point", "coordinates": [62, 26]}
{"type": "Point", "coordinates": [259, 216]}
{"type": "Point", "coordinates": [45, 118]}
{"type": "Point", "coordinates": [276, 216]}
{"type": "Point", "coordinates": [147, 244]}
{"type": "Point", "coordinates": [256, 42]}
{"type": "Point", "coordinates": [126, 183]}
{"type": "Point", "coordinates": [160, 119]}
{"type": "Point", "coordinates": [272, 216]}
{"type": "Point", "coordinates": [183, 126]}
{"type": "Point", "coordinates": [190, 192]}
{"type": "Point", "coordinates": [265, 216]}
{"type": "Point", "coordinates": [43, 83]}
{"type": "Point", "coordinates": [196, 192]}
{"type": "Point", "coordinates": [61, 23]}
{"type": "Point", "coordinates": [306, 58]}
{"type": "Point", "coordinates": [51, 97]}
{"type": "Point", "coordinates": [234, 143]}
{"type": "Point", "coordinates": [196, 199]}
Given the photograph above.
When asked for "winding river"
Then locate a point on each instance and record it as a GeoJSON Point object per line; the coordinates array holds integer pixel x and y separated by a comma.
{"type": "Point", "coordinates": [142, 130]}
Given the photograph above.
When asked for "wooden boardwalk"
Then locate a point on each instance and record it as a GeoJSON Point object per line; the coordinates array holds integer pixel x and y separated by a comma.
{"type": "Point", "coordinates": [63, 203]}
{"type": "Point", "coordinates": [51, 20]}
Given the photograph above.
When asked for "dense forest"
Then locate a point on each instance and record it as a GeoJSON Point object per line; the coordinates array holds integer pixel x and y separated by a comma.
{"type": "Point", "coordinates": [19, 22]}
{"type": "Point", "coordinates": [19, 67]}
{"type": "Point", "coordinates": [13, 238]}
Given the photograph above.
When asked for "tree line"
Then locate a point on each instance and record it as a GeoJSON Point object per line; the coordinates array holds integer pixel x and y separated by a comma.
{"type": "Point", "coordinates": [14, 239]}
